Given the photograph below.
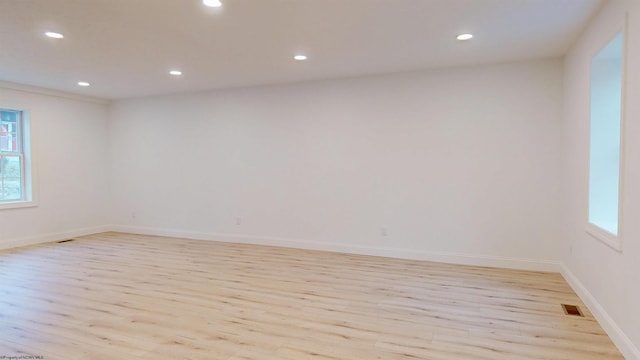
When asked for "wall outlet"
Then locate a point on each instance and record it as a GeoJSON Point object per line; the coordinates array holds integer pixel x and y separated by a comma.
{"type": "Point", "coordinates": [384, 232]}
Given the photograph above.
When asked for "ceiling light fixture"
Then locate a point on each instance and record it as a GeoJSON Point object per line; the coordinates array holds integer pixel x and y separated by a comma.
{"type": "Point", "coordinates": [54, 35]}
{"type": "Point", "coordinates": [83, 83]}
{"type": "Point", "coordinates": [300, 57]}
{"type": "Point", "coordinates": [212, 3]}
{"type": "Point", "coordinates": [175, 72]}
{"type": "Point", "coordinates": [463, 37]}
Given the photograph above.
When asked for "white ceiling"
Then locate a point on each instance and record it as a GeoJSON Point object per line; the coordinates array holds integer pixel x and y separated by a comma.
{"type": "Point", "coordinates": [125, 48]}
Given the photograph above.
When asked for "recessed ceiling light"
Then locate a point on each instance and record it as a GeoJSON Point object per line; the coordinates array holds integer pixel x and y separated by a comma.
{"type": "Point", "coordinates": [175, 72]}
{"type": "Point", "coordinates": [83, 83]}
{"type": "Point", "coordinates": [300, 57]}
{"type": "Point", "coordinates": [212, 3]}
{"type": "Point", "coordinates": [464, 37]}
{"type": "Point", "coordinates": [54, 35]}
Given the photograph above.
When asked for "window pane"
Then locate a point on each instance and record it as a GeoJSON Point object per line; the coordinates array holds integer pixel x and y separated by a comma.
{"type": "Point", "coordinates": [9, 124]}
{"type": "Point", "coordinates": [12, 189]}
{"type": "Point", "coordinates": [604, 158]}
{"type": "Point", "coordinates": [5, 138]}
{"type": "Point", "coordinates": [10, 178]}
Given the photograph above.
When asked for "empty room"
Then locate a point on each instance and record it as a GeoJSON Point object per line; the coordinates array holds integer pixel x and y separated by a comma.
{"type": "Point", "coordinates": [307, 179]}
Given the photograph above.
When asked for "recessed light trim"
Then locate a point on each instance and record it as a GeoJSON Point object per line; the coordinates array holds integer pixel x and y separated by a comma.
{"type": "Point", "coordinates": [83, 83]}
{"type": "Point", "coordinates": [175, 72]}
{"type": "Point", "coordinates": [54, 35]}
{"type": "Point", "coordinates": [463, 37]}
{"type": "Point", "coordinates": [300, 57]}
{"type": "Point", "coordinates": [212, 3]}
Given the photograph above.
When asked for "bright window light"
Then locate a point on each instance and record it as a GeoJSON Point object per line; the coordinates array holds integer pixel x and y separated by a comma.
{"type": "Point", "coordinates": [15, 159]}
{"type": "Point", "coordinates": [605, 136]}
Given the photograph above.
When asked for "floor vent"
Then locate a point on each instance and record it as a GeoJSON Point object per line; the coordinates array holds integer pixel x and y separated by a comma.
{"type": "Point", "coordinates": [572, 310]}
{"type": "Point", "coordinates": [64, 241]}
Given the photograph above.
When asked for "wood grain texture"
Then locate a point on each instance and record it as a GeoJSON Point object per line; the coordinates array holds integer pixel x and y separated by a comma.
{"type": "Point", "coordinates": [119, 296]}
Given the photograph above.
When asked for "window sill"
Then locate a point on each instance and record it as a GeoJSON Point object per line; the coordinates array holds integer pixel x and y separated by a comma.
{"type": "Point", "coordinates": [604, 236]}
{"type": "Point", "coordinates": [17, 205]}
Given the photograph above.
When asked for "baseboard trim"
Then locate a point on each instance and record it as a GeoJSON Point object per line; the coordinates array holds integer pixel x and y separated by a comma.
{"type": "Point", "coordinates": [445, 257]}
{"type": "Point", "coordinates": [619, 338]}
{"type": "Point", "coordinates": [50, 237]}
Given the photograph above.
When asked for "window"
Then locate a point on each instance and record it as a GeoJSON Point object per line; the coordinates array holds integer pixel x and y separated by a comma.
{"type": "Point", "coordinates": [605, 142]}
{"type": "Point", "coordinates": [15, 170]}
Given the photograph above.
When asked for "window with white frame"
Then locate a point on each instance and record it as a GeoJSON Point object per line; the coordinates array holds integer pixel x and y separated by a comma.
{"type": "Point", "coordinates": [15, 174]}
{"type": "Point", "coordinates": [605, 142]}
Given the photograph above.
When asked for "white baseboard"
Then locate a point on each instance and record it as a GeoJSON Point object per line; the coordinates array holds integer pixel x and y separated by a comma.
{"type": "Point", "coordinates": [50, 237]}
{"type": "Point", "coordinates": [445, 257]}
{"type": "Point", "coordinates": [619, 338]}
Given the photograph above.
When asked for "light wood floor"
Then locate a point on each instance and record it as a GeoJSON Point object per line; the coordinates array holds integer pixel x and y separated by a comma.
{"type": "Point", "coordinates": [121, 296]}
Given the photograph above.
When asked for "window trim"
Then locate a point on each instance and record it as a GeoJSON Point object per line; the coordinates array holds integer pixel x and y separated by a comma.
{"type": "Point", "coordinates": [611, 240]}
{"type": "Point", "coordinates": [28, 168]}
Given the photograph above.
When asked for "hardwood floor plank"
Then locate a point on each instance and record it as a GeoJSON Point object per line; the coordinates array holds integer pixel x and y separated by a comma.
{"type": "Point", "coordinates": [117, 295]}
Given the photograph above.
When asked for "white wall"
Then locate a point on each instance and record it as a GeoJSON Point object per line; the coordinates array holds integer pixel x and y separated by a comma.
{"type": "Point", "coordinates": [454, 161]}
{"type": "Point", "coordinates": [608, 279]}
{"type": "Point", "coordinates": [69, 145]}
